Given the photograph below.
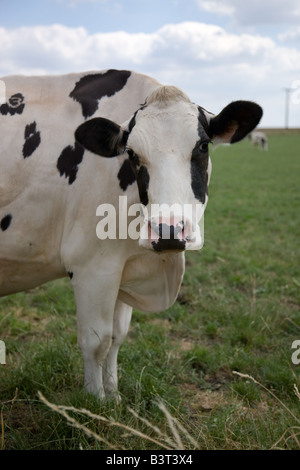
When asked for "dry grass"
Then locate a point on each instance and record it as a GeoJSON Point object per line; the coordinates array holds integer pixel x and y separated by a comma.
{"type": "Point", "coordinates": [177, 435]}
{"type": "Point", "coordinates": [168, 442]}
{"type": "Point", "coordinates": [293, 432]}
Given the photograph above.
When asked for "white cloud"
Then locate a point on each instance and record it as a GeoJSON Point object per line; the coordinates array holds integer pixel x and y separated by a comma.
{"type": "Point", "coordinates": [212, 65]}
{"type": "Point", "coordinates": [58, 48]}
{"type": "Point", "coordinates": [290, 35]}
{"type": "Point", "coordinates": [254, 12]}
{"type": "Point", "coordinates": [216, 6]}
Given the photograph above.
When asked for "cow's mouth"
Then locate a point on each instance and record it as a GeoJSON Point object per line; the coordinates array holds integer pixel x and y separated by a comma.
{"type": "Point", "coordinates": [168, 245]}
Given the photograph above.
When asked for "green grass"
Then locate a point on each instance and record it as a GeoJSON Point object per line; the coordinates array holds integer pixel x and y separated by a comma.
{"type": "Point", "coordinates": [238, 310]}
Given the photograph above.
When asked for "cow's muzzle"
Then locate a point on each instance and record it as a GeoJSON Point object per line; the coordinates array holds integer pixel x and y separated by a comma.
{"type": "Point", "coordinates": [174, 233]}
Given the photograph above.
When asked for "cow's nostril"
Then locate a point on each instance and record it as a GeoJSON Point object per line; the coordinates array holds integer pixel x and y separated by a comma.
{"type": "Point", "coordinates": [164, 230]}
{"type": "Point", "coordinates": [171, 232]}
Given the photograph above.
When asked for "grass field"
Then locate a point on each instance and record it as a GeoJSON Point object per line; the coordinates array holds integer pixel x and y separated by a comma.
{"type": "Point", "coordinates": [238, 310]}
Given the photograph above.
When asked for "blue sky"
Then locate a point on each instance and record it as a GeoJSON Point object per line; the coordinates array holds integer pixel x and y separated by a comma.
{"type": "Point", "coordinates": [129, 15]}
{"type": "Point", "coordinates": [215, 50]}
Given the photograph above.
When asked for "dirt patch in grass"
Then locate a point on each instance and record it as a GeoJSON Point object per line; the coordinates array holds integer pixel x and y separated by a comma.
{"type": "Point", "coordinates": [185, 344]}
{"type": "Point", "coordinates": [203, 400]}
{"type": "Point", "coordinates": [219, 378]}
{"type": "Point", "coordinates": [163, 323]}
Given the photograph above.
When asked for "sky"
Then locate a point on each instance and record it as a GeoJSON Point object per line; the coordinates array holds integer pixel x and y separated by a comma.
{"type": "Point", "coordinates": [216, 51]}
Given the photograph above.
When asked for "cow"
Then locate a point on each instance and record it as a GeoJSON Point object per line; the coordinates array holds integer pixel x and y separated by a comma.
{"type": "Point", "coordinates": [259, 139]}
{"type": "Point", "coordinates": [73, 143]}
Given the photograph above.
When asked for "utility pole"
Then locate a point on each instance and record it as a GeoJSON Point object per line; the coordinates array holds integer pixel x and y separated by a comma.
{"type": "Point", "coordinates": [287, 105]}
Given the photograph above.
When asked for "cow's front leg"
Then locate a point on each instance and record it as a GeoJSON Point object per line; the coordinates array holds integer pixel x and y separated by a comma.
{"type": "Point", "coordinates": [95, 300]}
{"type": "Point", "coordinates": [122, 317]}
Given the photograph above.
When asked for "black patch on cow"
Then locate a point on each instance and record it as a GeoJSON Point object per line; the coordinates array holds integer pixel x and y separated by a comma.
{"type": "Point", "coordinates": [143, 179]}
{"type": "Point", "coordinates": [90, 89]}
{"type": "Point", "coordinates": [141, 175]}
{"type": "Point", "coordinates": [15, 105]}
{"type": "Point", "coordinates": [199, 176]}
{"type": "Point", "coordinates": [126, 175]}
{"type": "Point", "coordinates": [132, 122]}
{"type": "Point", "coordinates": [199, 160]}
{"type": "Point", "coordinates": [32, 139]}
{"type": "Point", "coordinates": [5, 222]}
{"type": "Point", "coordinates": [70, 274]}
{"type": "Point", "coordinates": [68, 161]}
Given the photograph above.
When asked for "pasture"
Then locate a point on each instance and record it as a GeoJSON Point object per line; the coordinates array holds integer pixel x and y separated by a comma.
{"type": "Point", "coordinates": [238, 310]}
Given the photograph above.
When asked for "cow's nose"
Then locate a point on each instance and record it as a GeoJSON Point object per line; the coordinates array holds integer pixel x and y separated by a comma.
{"type": "Point", "coordinates": [165, 236]}
{"type": "Point", "coordinates": [175, 232]}
{"type": "Point", "coordinates": [165, 230]}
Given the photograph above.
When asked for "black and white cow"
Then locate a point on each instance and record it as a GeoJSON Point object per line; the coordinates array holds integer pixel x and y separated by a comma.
{"type": "Point", "coordinates": [259, 139]}
{"type": "Point", "coordinates": [71, 144]}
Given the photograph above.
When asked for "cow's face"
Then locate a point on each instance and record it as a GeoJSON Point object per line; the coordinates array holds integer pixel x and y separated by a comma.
{"type": "Point", "coordinates": [167, 142]}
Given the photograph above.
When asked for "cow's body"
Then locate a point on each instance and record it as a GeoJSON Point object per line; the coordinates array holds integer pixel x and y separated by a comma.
{"type": "Point", "coordinates": [259, 139]}
{"type": "Point", "coordinates": [45, 193]}
{"type": "Point", "coordinates": [50, 188]}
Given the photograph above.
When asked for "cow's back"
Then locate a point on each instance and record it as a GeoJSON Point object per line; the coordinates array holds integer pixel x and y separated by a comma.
{"type": "Point", "coordinates": [46, 177]}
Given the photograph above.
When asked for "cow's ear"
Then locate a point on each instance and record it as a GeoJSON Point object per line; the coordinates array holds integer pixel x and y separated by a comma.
{"type": "Point", "coordinates": [102, 136]}
{"type": "Point", "coordinates": [234, 122]}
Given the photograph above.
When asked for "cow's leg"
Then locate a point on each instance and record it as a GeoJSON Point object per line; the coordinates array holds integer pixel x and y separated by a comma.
{"type": "Point", "coordinates": [95, 301]}
{"type": "Point", "coordinates": [122, 317]}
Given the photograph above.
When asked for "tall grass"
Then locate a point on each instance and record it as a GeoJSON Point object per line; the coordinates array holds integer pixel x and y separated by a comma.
{"type": "Point", "coordinates": [238, 310]}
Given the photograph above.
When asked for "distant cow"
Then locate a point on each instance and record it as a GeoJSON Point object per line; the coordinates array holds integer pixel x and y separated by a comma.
{"type": "Point", "coordinates": [73, 144]}
{"type": "Point", "coordinates": [259, 139]}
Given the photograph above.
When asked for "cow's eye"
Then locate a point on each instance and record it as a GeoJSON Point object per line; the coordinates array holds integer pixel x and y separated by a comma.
{"type": "Point", "coordinates": [203, 147]}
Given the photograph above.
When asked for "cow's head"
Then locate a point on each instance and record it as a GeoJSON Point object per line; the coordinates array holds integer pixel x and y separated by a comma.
{"type": "Point", "coordinates": [167, 141]}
